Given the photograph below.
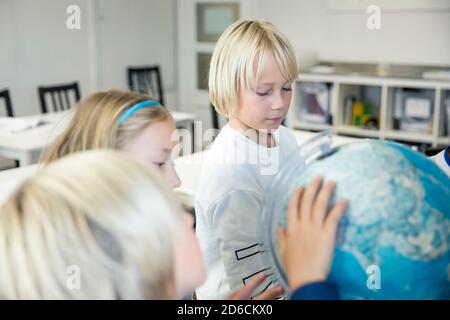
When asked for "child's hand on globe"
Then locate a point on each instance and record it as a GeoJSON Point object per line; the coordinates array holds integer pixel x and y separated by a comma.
{"type": "Point", "coordinates": [245, 293]}
{"type": "Point", "coordinates": [307, 245]}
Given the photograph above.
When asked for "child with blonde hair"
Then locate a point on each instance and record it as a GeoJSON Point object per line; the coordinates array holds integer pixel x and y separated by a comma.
{"type": "Point", "coordinates": [122, 120]}
{"type": "Point", "coordinates": [104, 225]}
{"type": "Point", "coordinates": [96, 225]}
{"type": "Point", "coordinates": [250, 82]}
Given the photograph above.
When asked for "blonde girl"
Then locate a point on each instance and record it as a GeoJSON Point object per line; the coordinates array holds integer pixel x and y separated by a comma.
{"type": "Point", "coordinates": [122, 120]}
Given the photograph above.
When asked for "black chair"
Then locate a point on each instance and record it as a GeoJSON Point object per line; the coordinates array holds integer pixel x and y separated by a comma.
{"type": "Point", "coordinates": [56, 94]}
{"type": "Point", "coordinates": [147, 80]}
{"type": "Point", "coordinates": [214, 117]}
{"type": "Point", "coordinates": [5, 95]}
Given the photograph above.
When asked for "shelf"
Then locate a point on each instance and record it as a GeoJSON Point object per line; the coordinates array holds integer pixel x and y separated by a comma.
{"type": "Point", "coordinates": [444, 141]}
{"type": "Point", "coordinates": [398, 107]}
{"type": "Point", "coordinates": [359, 79]}
{"type": "Point", "coordinates": [358, 131]}
{"type": "Point", "coordinates": [409, 136]}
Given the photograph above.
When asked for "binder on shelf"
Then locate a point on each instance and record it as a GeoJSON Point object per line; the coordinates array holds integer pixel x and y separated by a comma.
{"type": "Point", "coordinates": [397, 116]}
{"type": "Point", "coordinates": [348, 109]}
{"type": "Point", "coordinates": [447, 118]}
{"type": "Point", "coordinates": [413, 110]}
{"type": "Point", "coordinates": [315, 102]}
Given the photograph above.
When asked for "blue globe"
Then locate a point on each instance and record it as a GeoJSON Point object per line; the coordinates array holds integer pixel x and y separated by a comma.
{"type": "Point", "coordinates": [394, 239]}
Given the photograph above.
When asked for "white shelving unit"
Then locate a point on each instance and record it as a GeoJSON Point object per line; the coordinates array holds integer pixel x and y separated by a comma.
{"type": "Point", "coordinates": [384, 89]}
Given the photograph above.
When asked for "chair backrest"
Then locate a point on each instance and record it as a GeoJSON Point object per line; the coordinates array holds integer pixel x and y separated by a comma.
{"type": "Point", "coordinates": [147, 80]}
{"type": "Point", "coordinates": [215, 117]}
{"type": "Point", "coordinates": [56, 93]}
{"type": "Point", "coordinates": [4, 95]}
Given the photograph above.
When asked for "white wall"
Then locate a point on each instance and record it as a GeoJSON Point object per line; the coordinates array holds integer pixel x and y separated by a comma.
{"type": "Point", "coordinates": [36, 48]}
{"type": "Point", "coordinates": [191, 98]}
{"type": "Point", "coordinates": [406, 37]}
{"type": "Point", "coordinates": [137, 32]}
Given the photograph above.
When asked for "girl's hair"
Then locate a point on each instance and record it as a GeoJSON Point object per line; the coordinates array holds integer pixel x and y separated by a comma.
{"type": "Point", "coordinates": [239, 58]}
{"type": "Point", "coordinates": [95, 123]}
{"type": "Point", "coordinates": [94, 225]}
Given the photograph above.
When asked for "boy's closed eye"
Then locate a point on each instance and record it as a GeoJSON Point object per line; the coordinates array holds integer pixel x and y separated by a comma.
{"type": "Point", "coordinates": [159, 164]}
{"type": "Point", "coordinates": [267, 92]}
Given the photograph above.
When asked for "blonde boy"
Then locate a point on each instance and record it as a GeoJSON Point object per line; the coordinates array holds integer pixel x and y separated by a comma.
{"type": "Point", "coordinates": [250, 82]}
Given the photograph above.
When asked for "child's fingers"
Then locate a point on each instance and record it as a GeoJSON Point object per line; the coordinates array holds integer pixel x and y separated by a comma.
{"type": "Point", "coordinates": [246, 291]}
{"type": "Point", "coordinates": [309, 197]}
{"type": "Point", "coordinates": [333, 219]}
{"type": "Point", "coordinates": [270, 294]}
{"type": "Point", "coordinates": [293, 207]}
{"type": "Point", "coordinates": [321, 204]}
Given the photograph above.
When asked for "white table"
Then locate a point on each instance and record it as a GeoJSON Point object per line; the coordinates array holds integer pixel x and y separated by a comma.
{"type": "Point", "coordinates": [188, 167]}
{"type": "Point", "coordinates": [27, 145]}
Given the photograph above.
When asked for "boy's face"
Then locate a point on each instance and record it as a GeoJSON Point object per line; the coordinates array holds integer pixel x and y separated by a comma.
{"type": "Point", "coordinates": [266, 107]}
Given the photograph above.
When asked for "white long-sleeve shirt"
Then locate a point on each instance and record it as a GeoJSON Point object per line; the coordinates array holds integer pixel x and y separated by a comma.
{"type": "Point", "coordinates": [233, 187]}
{"type": "Point", "coordinates": [442, 159]}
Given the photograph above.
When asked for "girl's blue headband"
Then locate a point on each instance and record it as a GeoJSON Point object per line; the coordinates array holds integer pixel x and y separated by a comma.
{"type": "Point", "coordinates": [134, 108]}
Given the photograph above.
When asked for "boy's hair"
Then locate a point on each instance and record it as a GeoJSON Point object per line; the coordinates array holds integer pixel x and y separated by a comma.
{"type": "Point", "coordinates": [95, 123]}
{"type": "Point", "coordinates": [239, 58]}
{"type": "Point", "coordinates": [102, 216]}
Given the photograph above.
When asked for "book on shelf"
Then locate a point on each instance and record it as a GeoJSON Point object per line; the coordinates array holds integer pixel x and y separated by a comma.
{"type": "Point", "coordinates": [447, 112]}
{"type": "Point", "coordinates": [413, 110]}
{"type": "Point", "coordinates": [315, 102]}
{"type": "Point", "coordinates": [349, 100]}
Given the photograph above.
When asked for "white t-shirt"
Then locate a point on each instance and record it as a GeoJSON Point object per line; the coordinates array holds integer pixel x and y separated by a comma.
{"type": "Point", "coordinates": [233, 185]}
{"type": "Point", "coordinates": [442, 159]}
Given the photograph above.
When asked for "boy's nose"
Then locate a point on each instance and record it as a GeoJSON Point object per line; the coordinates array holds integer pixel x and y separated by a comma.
{"type": "Point", "coordinates": [175, 181]}
{"type": "Point", "coordinates": [277, 107]}
{"type": "Point", "coordinates": [278, 104]}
